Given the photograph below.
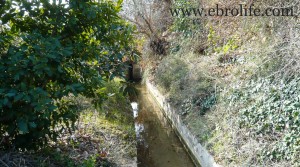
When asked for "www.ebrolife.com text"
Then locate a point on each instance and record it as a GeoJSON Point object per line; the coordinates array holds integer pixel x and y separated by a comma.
{"type": "Point", "coordinates": [240, 10]}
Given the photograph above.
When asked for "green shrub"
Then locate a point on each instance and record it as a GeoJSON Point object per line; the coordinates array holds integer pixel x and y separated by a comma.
{"type": "Point", "coordinates": [171, 73]}
{"type": "Point", "coordinates": [207, 103]}
{"type": "Point", "coordinates": [185, 91]}
{"type": "Point", "coordinates": [49, 51]}
{"type": "Point", "coordinates": [185, 23]}
{"type": "Point", "coordinates": [116, 101]}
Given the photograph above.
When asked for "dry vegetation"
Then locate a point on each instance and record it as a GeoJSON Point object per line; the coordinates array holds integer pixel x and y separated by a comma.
{"type": "Point", "coordinates": [235, 81]}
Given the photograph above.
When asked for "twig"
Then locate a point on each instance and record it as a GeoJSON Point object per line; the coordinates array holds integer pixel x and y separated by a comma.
{"type": "Point", "coordinates": [4, 163]}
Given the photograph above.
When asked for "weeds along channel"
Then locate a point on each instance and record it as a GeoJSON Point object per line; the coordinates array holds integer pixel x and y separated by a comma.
{"type": "Point", "coordinates": [234, 81]}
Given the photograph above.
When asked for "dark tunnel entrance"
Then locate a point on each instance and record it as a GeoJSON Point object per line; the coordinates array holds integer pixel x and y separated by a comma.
{"type": "Point", "coordinates": [134, 72]}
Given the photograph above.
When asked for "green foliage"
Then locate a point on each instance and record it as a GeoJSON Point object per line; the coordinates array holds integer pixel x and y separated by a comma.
{"type": "Point", "coordinates": [186, 24]}
{"type": "Point", "coordinates": [229, 46]}
{"type": "Point", "coordinates": [50, 50]}
{"type": "Point", "coordinates": [189, 93]}
{"type": "Point", "coordinates": [90, 162]}
{"type": "Point", "coordinates": [180, 22]}
{"type": "Point", "coordinates": [207, 103]}
{"type": "Point", "coordinates": [215, 42]}
{"type": "Point", "coordinates": [272, 109]}
{"type": "Point", "coordinates": [171, 73]}
{"type": "Point", "coordinates": [128, 88]}
{"type": "Point", "coordinates": [211, 37]}
{"type": "Point", "coordinates": [117, 99]}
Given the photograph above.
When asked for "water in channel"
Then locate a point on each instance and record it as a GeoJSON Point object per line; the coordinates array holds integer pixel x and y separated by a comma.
{"type": "Point", "coordinates": [158, 145]}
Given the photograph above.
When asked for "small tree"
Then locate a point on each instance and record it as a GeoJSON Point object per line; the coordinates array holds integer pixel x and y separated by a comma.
{"type": "Point", "coordinates": [151, 18]}
{"type": "Point", "coordinates": [49, 50]}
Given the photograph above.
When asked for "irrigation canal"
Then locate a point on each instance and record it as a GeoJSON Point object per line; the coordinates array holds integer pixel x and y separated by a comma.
{"type": "Point", "coordinates": [157, 143]}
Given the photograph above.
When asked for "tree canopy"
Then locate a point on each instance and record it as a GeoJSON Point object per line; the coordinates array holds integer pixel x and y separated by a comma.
{"type": "Point", "coordinates": [50, 50]}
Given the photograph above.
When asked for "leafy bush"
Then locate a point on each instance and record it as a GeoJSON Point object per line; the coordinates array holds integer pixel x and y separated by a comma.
{"type": "Point", "coordinates": [185, 23]}
{"type": "Point", "coordinates": [116, 101]}
{"type": "Point", "coordinates": [50, 50]}
{"type": "Point", "coordinates": [185, 91]}
{"type": "Point", "coordinates": [171, 73]}
{"type": "Point", "coordinates": [207, 103]}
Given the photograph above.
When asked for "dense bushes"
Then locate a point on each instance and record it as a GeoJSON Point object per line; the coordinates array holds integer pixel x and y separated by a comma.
{"type": "Point", "coordinates": [171, 72]}
{"type": "Point", "coordinates": [184, 90]}
{"type": "Point", "coordinates": [116, 106]}
{"type": "Point", "coordinates": [50, 50]}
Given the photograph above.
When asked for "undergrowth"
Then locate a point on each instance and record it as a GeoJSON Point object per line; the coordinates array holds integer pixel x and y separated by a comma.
{"type": "Point", "coordinates": [103, 136]}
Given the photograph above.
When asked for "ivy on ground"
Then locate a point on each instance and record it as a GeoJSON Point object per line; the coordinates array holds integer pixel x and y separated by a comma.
{"type": "Point", "coordinates": [272, 109]}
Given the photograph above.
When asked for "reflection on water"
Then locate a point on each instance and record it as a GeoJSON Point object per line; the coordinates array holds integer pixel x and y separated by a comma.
{"type": "Point", "coordinates": [134, 106]}
{"type": "Point", "coordinates": [158, 145]}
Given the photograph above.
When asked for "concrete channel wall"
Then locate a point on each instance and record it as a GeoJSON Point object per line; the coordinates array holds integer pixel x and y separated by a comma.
{"type": "Point", "coordinates": [199, 153]}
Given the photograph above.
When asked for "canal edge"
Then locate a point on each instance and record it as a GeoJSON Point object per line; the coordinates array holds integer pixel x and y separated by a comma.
{"type": "Point", "coordinates": [198, 153]}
